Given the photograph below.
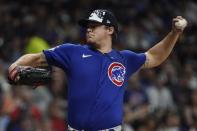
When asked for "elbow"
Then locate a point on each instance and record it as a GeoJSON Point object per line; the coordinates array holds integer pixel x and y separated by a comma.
{"type": "Point", "coordinates": [154, 60]}
{"type": "Point", "coordinates": [159, 61]}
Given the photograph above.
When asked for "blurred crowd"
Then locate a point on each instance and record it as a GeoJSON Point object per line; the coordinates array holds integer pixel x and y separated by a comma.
{"type": "Point", "coordinates": [159, 99]}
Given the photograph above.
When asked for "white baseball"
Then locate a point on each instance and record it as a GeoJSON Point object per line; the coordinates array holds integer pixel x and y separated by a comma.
{"type": "Point", "coordinates": [181, 24]}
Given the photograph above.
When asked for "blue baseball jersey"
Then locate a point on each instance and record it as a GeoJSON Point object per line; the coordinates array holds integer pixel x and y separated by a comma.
{"type": "Point", "coordinates": [96, 83]}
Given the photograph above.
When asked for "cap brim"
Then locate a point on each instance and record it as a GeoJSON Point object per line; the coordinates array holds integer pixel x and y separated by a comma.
{"type": "Point", "coordinates": [85, 22]}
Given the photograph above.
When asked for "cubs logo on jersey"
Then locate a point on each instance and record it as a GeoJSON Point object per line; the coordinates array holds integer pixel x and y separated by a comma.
{"type": "Point", "coordinates": [116, 73]}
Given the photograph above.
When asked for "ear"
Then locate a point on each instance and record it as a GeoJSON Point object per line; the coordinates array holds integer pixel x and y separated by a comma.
{"type": "Point", "coordinates": [110, 30]}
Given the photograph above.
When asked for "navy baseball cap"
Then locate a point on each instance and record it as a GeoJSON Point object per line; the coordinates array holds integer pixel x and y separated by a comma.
{"type": "Point", "coordinates": [102, 16]}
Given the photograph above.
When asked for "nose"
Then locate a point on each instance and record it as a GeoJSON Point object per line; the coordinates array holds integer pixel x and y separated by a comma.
{"type": "Point", "coordinates": [89, 29]}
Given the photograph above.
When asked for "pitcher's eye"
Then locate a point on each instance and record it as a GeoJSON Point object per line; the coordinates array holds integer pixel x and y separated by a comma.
{"type": "Point", "coordinates": [93, 25]}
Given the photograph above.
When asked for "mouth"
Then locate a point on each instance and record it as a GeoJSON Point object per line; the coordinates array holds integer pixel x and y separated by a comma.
{"type": "Point", "coordinates": [89, 36]}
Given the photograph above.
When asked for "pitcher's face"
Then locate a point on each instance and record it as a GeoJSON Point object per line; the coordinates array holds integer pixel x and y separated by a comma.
{"type": "Point", "coordinates": [96, 32]}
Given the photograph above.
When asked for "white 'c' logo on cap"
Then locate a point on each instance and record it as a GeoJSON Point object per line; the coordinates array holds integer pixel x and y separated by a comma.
{"type": "Point", "coordinates": [97, 15]}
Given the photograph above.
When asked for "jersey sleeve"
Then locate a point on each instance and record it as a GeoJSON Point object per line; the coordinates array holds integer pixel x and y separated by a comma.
{"type": "Point", "coordinates": [59, 56]}
{"type": "Point", "coordinates": [133, 61]}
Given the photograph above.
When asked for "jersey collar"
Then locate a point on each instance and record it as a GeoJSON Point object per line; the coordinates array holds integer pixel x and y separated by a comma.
{"type": "Point", "coordinates": [113, 54]}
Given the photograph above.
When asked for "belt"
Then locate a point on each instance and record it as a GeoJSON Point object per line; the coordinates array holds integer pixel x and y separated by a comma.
{"type": "Point", "coordinates": [116, 128]}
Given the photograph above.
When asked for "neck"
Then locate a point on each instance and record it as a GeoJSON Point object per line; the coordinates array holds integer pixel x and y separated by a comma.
{"type": "Point", "coordinates": [104, 47]}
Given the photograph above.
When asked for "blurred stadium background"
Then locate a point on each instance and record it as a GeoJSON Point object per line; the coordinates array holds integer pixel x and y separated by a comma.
{"type": "Point", "coordinates": [159, 99]}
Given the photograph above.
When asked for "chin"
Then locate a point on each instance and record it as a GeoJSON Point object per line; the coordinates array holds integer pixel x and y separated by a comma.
{"type": "Point", "coordinates": [90, 41]}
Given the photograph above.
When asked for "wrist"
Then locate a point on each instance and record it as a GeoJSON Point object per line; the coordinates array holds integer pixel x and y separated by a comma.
{"type": "Point", "coordinates": [176, 32]}
{"type": "Point", "coordinates": [12, 67]}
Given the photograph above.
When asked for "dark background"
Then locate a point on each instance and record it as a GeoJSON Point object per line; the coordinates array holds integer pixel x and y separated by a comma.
{"type": "Point", "coordinates": [163, 98]}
